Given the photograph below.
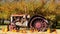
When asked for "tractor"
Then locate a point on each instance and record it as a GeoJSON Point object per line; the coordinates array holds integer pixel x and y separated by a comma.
{"type": "Point", "coordinates": [35, 22]}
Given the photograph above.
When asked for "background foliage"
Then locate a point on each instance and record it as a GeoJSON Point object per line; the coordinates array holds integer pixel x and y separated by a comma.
{"type": "Point", "coordinates": [47, 8]}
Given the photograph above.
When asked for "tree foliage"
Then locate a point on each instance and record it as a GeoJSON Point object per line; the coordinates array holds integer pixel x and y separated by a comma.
{"type": "Point", "coordinates": [41, 7]}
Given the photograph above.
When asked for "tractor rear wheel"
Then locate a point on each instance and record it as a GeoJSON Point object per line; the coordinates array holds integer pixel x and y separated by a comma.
{"type": "Point", "coordinates": [38, 22]}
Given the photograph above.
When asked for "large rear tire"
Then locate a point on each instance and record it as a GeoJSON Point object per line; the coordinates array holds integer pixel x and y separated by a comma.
{"type": "Point", "coordinates": [38, 22]}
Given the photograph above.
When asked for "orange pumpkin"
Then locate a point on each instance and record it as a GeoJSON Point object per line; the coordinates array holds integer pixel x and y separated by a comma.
{"type": "Point", "coordinates": [35, 30]}
{"type": "Point", "coordinates": [14, 30]}
{"type": "Point", "coordinates": [24, 31]}
{"type": "Point", "coordinates": [3, 29]}
{"type": "Point", "coordinates": [21, 31]}
{"type": "Point", "coordinates": [48, 30]}
{"type": "Point", "coordinates": [6, 29]}
{"type": "Point", "coordinates": [31, 30]}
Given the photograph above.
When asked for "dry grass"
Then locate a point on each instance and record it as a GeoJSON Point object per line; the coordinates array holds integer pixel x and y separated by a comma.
{"type": "Point", "coordinates": [28, 32]}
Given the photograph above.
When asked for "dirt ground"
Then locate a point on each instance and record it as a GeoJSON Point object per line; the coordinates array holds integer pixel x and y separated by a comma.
{"type": "Point", "coordinates": [58, 32]}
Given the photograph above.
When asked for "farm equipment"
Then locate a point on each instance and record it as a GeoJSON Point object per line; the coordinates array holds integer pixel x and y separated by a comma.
{"type": "Point", "coordinates": [35, 22]}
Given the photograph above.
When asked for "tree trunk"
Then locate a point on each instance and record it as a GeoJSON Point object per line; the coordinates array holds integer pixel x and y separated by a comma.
{"type": "Point", "coordinates": [2, 21]}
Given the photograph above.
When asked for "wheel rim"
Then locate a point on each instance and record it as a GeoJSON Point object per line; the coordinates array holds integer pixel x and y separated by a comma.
{"type": "Point", "coordinates": [37, 25]}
